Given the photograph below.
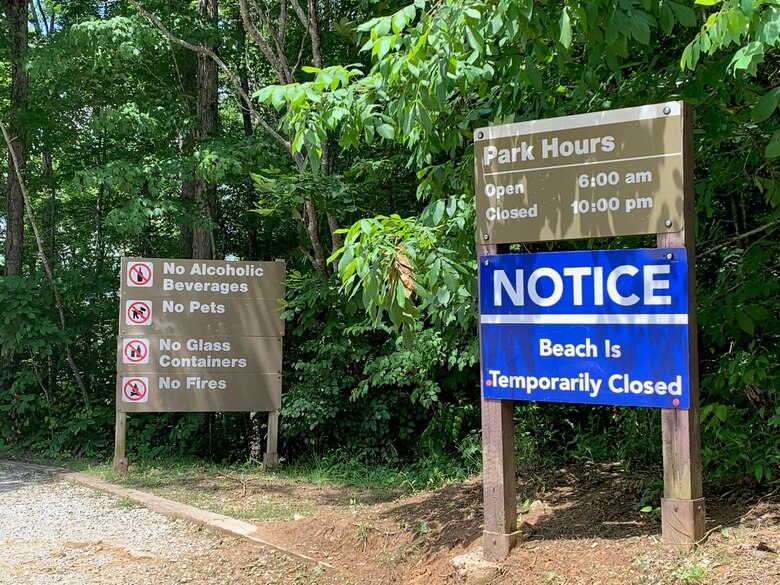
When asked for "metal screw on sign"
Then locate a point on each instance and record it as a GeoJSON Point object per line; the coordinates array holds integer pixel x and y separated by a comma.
{"type": "Point", "coordinates": [485, 237]}
{"type": "Point", "coordinates": [668, 223]}
{"type": "Point", "coordinates": [487, 262]}
{"type": "Point", "coordinates": [667, 110]}
{"type": "Point", "coordinates": [480, 134]}
{"type": "Point", "coordinates": [670, 256]}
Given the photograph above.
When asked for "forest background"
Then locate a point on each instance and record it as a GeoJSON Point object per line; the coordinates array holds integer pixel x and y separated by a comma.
{"type": "Point", "coordinates": [337, 135]}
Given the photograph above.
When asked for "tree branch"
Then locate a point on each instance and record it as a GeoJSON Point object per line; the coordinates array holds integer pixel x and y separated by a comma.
{"type": "Point", "coordinates": [301, 14]}
{"type": "Point", "coordinates": [46, 26]}
{"type": "Point", "coordinates": [758, 230]}
{"type": "Point", "coordinates": [231, 77]}
{"type": "Point", "coordinates": [44, 261]}
{"type": "Point", "coordinates": [283, 22]}
{"type": "Point", "coordinates": [34, 14]}
{"type": "Point", "coordinates": [314, 33]}
{"type": "Point", "coordinates": [262, 43]}
{"type": "Point", "coordinates": [276, 37]}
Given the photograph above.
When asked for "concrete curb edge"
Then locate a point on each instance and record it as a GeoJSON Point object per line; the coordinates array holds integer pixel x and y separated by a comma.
{"type": "Point", "coordinates": [167, 507]}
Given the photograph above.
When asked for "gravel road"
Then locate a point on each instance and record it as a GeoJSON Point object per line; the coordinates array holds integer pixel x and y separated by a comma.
{"type": "Point", "coordinates": [56, 532]}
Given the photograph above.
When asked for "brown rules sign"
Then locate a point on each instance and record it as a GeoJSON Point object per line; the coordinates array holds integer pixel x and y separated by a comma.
{"type": "Point", "coordinates": [585, 176]}
{"type": "Point", "coordinates": [199, 336]}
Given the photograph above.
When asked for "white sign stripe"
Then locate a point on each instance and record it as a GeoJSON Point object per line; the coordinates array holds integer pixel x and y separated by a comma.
{"type": "Point", "coordinates": [586, 164]}
{"type": "Point", "coordinates": [586, 319]}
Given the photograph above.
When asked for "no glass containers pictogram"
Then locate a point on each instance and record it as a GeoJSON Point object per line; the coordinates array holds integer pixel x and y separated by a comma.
{"type": "Point", "coordinates": [138, 312]}
{"type": "Point", "coordinates": [135, 351]}
{"type": "Point", "coordinates": [135, 389]}
{"type": "Point", "coordinates": [140, 274]}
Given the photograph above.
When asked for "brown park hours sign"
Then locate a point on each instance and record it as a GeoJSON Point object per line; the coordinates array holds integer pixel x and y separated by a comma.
{"type": "Point", "coordinates": [199, 336]}
{"type": "Point", "coordinates": [591, 175]}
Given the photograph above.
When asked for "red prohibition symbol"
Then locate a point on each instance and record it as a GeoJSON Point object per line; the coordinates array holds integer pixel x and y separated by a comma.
{"type": "Point", "coordinates": [139, 312]}
{"type": "Point", "coordinates": [135, 389]}
{"type": "Point", "coordinates": [136, 351]}
{"type": "Point", "coordinates": [139, 274]}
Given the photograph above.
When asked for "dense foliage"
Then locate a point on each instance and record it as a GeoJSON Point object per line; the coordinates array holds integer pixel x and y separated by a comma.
{"type": "Point", "coordinates": [344, 147]}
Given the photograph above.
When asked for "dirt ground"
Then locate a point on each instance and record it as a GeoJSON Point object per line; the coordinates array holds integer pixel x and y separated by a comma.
{"type": "Point", "coordinates": [582, 526]}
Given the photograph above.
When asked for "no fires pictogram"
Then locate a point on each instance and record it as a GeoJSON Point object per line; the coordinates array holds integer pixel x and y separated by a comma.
{"type": "Point", "coordinates": [135, 389]}
{"type": "Point", "coordinates": [140, 274]}
{"type": "Point", "coordinates": [135, 351]}
{"type": "Point", "coordinates": [138, 312]}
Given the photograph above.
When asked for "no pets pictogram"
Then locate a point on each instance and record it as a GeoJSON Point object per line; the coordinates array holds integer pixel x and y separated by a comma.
{"type": "Point", "coordinates": [138, 312]}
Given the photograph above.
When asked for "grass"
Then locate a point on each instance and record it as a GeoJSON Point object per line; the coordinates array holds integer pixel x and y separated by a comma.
{"type": "Point", "coordinates": [125, 503]}
{"type": "Point", "coordinates": [318, 485]}
{"type": "Point", "coordinates": [247, 491]}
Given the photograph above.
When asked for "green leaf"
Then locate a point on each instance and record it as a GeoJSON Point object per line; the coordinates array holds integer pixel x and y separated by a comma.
{"type": "Point", "coordinates": [745, 322]}
{"type": "Point", "coordinates": [264, 93]}
{"type": "Point", "coordinates": [386, 131]}
{"type": "Point", "coordinates": [443, 296]}
{"type": "Point", "coordinates": [666, 17]}
{"type": "Point", "coordinates": [640, 26]}
{"type": "Point", "coordinates": [278, 97]}
{"type": "Point", "coordinates": [773, 148]}
{"type": "Point", "coordinates": [766, 106]}
{"type": "Point", "coordinates": [399, 22]}
{"type": "Point", "coordinates": [335, 255]}
{"type": "Point", "coordinates": [757, 312]}
{"type": "Point", "coordinates": [438, 211]}
{"type": "Point", "coordinates": [768, 30]}
{"type": "Point", "coordinates": [684, 14]}
{"type": "Point", "coordinates": [382, 28]}
{"type": "Point", "coordinates": [748, 58]}
{"type": "Point", "coordinates": [297, 143]}
{"type": "Point", "coordinates": [534, 76]}
{"type": "Point", "coordinates": [473, 14]}
{"type": "Point", "coordinates": [707, 2]}
{"type": "Point", "coordinates": [382, 47]}
{"type": "Point", "coordinates": [475, 39]}
{"type": "Point", "coordinates": [346, 258]}
{"type": "Point", "coordinates": [400, 293]}
{"type": "Point", "coordinates": [566, 32]}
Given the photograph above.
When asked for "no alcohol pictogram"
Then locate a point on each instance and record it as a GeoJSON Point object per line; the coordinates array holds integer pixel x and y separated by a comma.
{"type": "Point", "coordinates": [138, 312]}
{"type": "Point", "coordinates": [135, 351]}
{"type": "Point", "coordinates": [139, 274]}
{"type": "Point", "coordinates": [135, 389]}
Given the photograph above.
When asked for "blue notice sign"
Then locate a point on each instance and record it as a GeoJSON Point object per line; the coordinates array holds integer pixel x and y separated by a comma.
{"type": "Point", "coordinates": [592, 327]}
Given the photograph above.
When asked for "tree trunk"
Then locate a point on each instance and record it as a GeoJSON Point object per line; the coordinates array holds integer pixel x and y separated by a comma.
{"type": "Point", "coordinates": [100, 245]}
{"type": "Point", "coordinates": [253, 241]}
{"type": "Point", "coordinates": [16, 11]}
{"type": "Point", "coordinates": [208, 122]}
{"type": "Point", "coordinates": [188, 73]}
{"type": "Point", "coordinates": [47, 168]}
{"type": "Point", "coordinates": [187, 196]}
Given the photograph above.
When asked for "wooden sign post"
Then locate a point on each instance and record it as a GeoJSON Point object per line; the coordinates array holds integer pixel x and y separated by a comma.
{"type": "Point", "coordinates": [621, 172]}
{"type": "Point", "coordinates": [682, 507]}
{"type": "Point", "coordinates": [120, 444]}
{"type": "Point", "coordinates": [498, 468]}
